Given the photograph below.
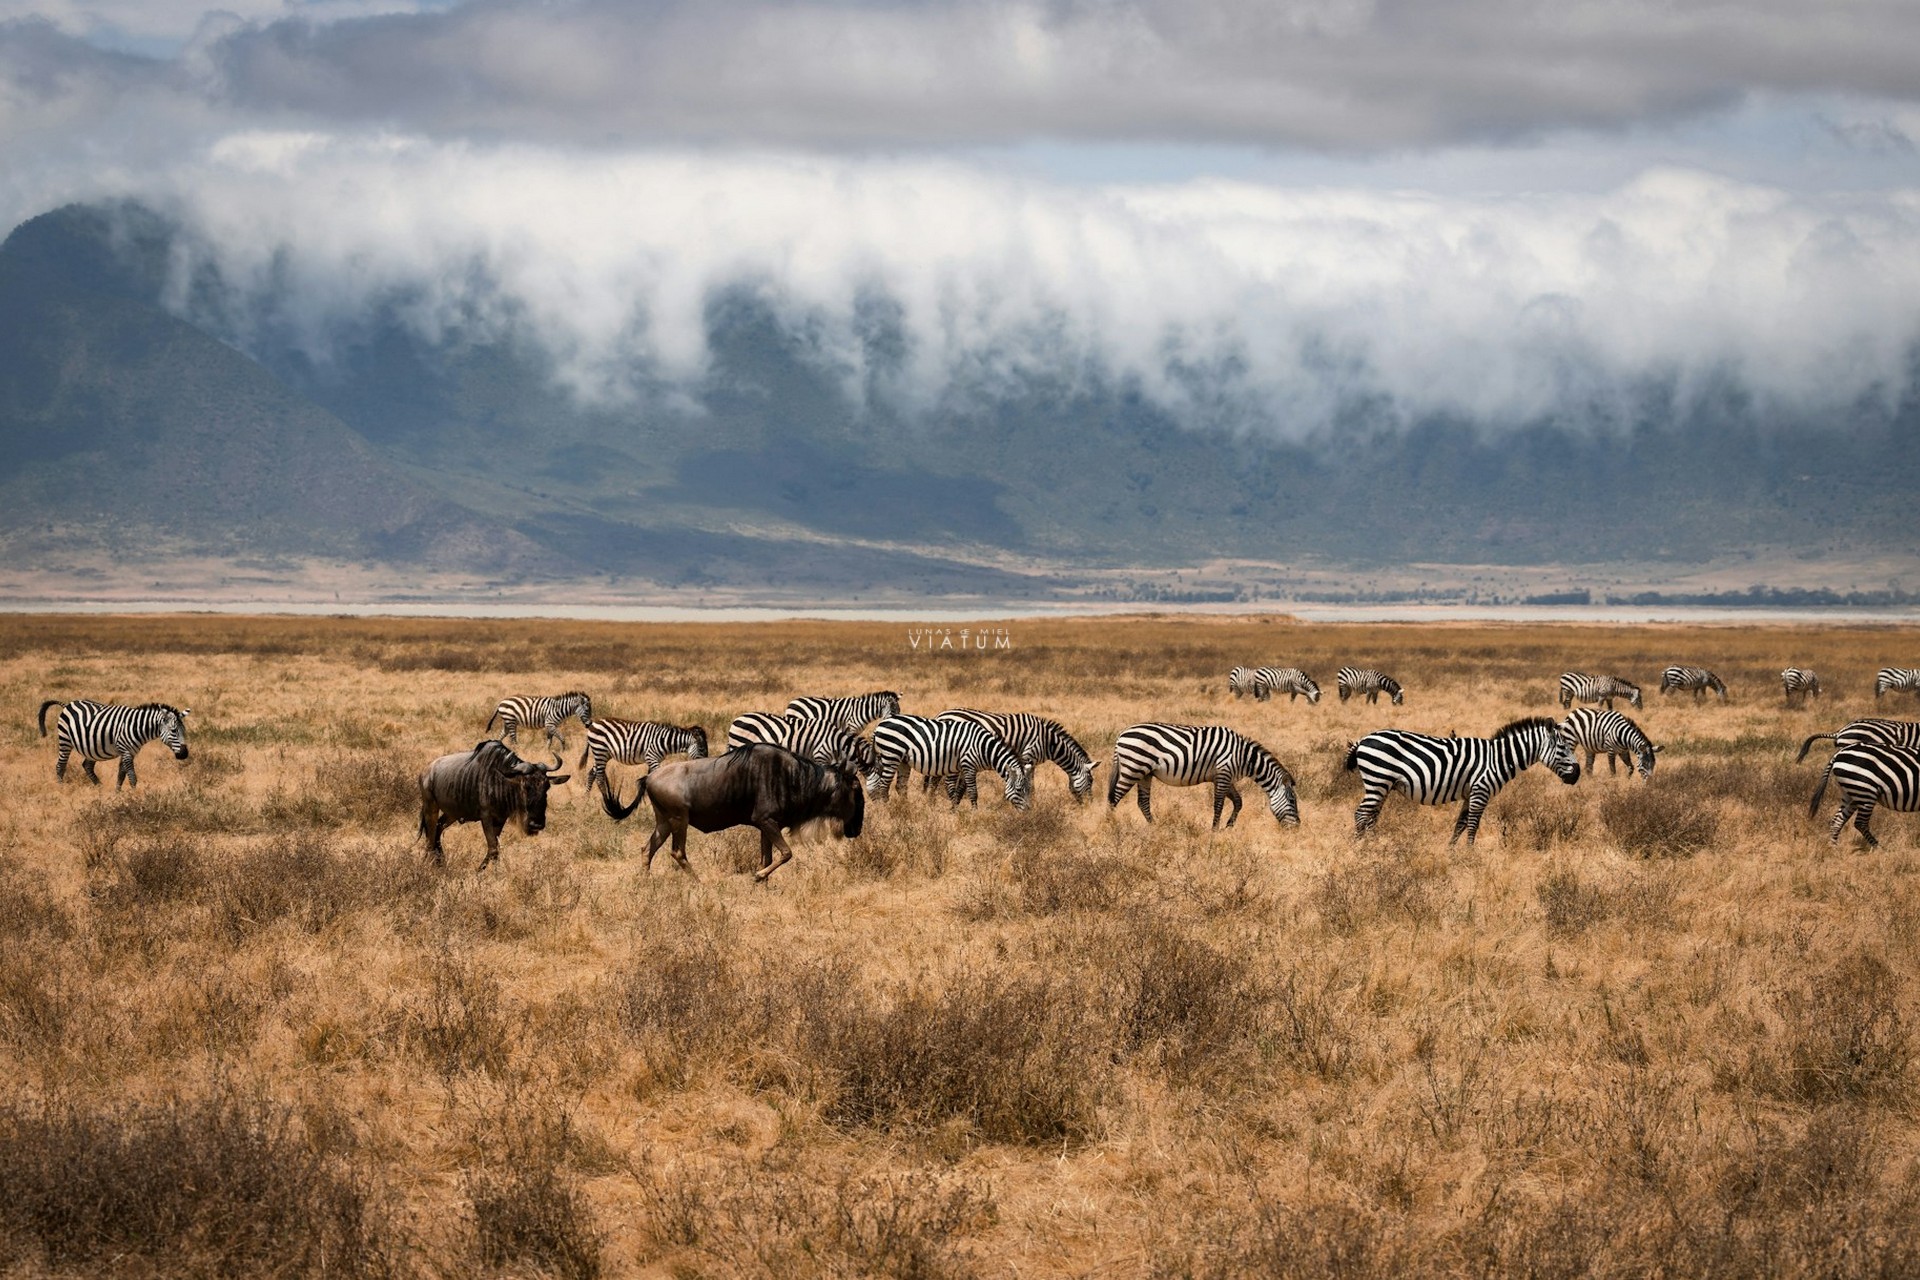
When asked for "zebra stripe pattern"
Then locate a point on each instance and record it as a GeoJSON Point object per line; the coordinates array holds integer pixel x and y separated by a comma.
{"type": "Point", "coordinates": [1870, 776]}
{"type": "Point", "coordinates": [1264, 682]}
{"type": "Point", "coordinates": [821, 741]}
{"type": "Point", "coordinates": [1695, 679]}
{"type": "Point", "coordinates": [634, 741]}
{"type": "Point", "coordinates": [1578, 687]}
{"type": "Point", "coordinates": [1354, 680]}
{"type": "Point", "coordinates": [103, 730]}
{"type": "Point", "coordinates": [1240, 681]}
{"type": "Point", "coordinates": [522, 709]}
{"type": "Point", "coordinates": [1886, 733]}
{"type": "Point", "coordinates": [1439, 770]}
{"type": "Point", "coordinates": [1896, 680]}
{"type": "Point", "coordinates": [1801, 681]}
{"type": "Point", "coordinates": [852, 714]}
{"type": "Point", "coordinates": [955, 749]}
{"type": "Point", "coordinates": [1186, 755]}
{"type": "Point", "coordinates": [1609, 733]}
{"type": "Point", "coordinates": [1033, 739]}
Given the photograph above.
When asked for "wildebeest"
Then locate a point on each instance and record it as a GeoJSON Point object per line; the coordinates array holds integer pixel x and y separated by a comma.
{"type": "Point", "coordinates": [489, 785]}
{"type": "Point", "coordinates": [758, 785]}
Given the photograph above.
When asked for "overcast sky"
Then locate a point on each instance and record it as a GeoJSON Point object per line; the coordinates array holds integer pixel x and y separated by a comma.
{"type": "Point", "coordinates": [1492, 206]}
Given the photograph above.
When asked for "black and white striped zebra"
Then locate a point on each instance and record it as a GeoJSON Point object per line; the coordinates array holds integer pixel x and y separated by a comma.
{"type": "Point", "coordinates": [1186, 755]}
{"type": "Point", "coordinates": [1439, 770]}
{"type": "Point", "coordinates": [1801, 681]}
{"type": "Point", "coordinates": [1355, 680]}
{"type": "Point", "coordinates": [1576, 686]}
{"type": "Point", "coordinates": [1291, 681]}
{"type": "Point", "coordinates": [520, 709]}
{"type": "Point", "coordinates": [1870, 776]}
{"type": "Point", "coordinates": [820, 741]}
{"type": "Point", "coordinates": [1896, 680]}
{"type": "Point", "coordinates": [852, 714]}
{"type": "Point", "coordinates": [635, 741]}
{"type": "Point", "coordinates": [954, 749]}
{"type": "Point", "coordinates": [1609, 733]}
{"type": "Point", "coordinates": [103, 730]}
{"type": "Point", "coordinates": [1886, 733]}
{"type": "Point", "coordinates": [1033, 739]}
{"type": "Point", "coordinates": [1696, 680]}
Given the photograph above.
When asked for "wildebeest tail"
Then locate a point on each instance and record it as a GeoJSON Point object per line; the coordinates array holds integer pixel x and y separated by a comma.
{"type": "Point", "coordinates": [1353, 757]}
{"type": "Point", "coordinates": [611, 803]}
{"type": "Point", "coordinates": [584, 753]}
{"type": "Point", "coordinates": [1813, 806]}
{"type": "Point", "coordinates": [1808, 744]}
{"type": "Point", "coordinates": [50, 702]}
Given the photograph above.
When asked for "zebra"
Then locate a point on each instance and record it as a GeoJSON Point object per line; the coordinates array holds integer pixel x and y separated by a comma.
{"type": "Point", "coordinates": [959, 748]}
{"type": "Point", "coordinates": [1870, 775]}
{"type": "Point", "coordinates": [519, 708]}
{"type": "Point", "coordinates": [1610, 733]}
{"type": "Point", "coordinates": [1886, 733]}
{"type": "Point", "coordinates": [1240, 680]}
{"type": "Point", "coordinates": [1438, 770]}
{"type": "Point", "coordinates": [1035, 738]}
{"type": "Point", "coordinates": [818, 740]}
{"type": "Point", "coordinates": [1577, 687]}
{"type": "Point", "coordinates": [632, 741]}
{"type": "Point", "coordinates": [1353, 681]}
{"type": "Point", "coordinates": [103, 730]}
{"type": "Point", "coordinates": [1186, 755]}
{"type": "Point", "coordinates": [1697, 679]}
{"type": "Point", "coordinates": [1292, 681]}
{"type": "Point", "coordinates": [1896, 680]}
{"type": "Point", "coordinates": [1801, 681]}
{"type": "Point", "coordinates": [851, 714]}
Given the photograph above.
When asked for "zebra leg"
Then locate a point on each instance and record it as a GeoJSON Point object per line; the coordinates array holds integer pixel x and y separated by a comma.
{"type": "Point", "coordinates": [86, 767]}
{"type": "Point", "coordinates": [969, 785]}
{"type": "Point", "coordinates": [1369, 811]}
{"type": "Point", "coordinates": [1143, 795]}
{"type": "Point", "coordinates": [60, 765]}
{"type": "Point", "coordinates": [126, 774]}
{"type": "Point", "coordinates": [1469, 819]}
{"type": "Point", "coordinates": [1860, 819]}
{"type": "Point", "coordinates": [1223, 792]}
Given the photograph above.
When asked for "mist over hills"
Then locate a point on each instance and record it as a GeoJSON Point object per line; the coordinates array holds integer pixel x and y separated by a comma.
{"type": "Point", "coordinates": [151, 413]}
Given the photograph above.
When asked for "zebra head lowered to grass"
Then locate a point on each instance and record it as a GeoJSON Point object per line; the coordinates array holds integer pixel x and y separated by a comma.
{"type": "Point", "coordinates": [1264, 682]}
{"type": "Point", "coordinates": [821, 741]}
{"type": "Point", "coordinates": [1576, 686]}
{"type": "Point", "coordinates": [1602, 731]}
{"type": "Point", "coordinates": [1871, 775]}
{"type": "Point", "coordinates": [1896, 680]}
{"type": "Point", "coordinates": [1035, 738]}
{"type": "Point", "coordinates": [1356, 680]}
{"type": "Point", "coordinates": [1440, 770]}
{"type": "Point", "coordinates": [103, 730]}
{"type": "Point", "coordinates": [954, 749]}
{"type": "Point", "coordinates": [520, 709]}
{"type": "Point", "coordinates": [1801, 681]}
{"type": "Point", "coordinates": [852, 714]}
{"type": "Point", "coordinates": [635, 741]}
{"type": "Point", "coordinates": [1187, 755]}
{"type": "Point", "coordinates": [1696, 680]}
{"type": "Point", "coordinates": [1889, 733]}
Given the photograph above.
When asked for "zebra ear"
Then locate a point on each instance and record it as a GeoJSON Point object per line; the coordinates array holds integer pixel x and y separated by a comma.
{"type": "Point", "coordinates": [1657, 748]}
{"type": "Point", "coordinates": [186, 711]}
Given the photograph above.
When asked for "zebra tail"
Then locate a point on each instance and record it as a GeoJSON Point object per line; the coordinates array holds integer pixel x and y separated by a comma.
{"type": "Point", "coordinates": [1808, 746]}
{"type": "Point", "coordinates": [50, 702]}
{"type": "Point", "coordinates": [492, 718]}
{"type": "Point", "coordinates": [1353, 757]}
{"type": "Point", "coordinates": [1813, 806]}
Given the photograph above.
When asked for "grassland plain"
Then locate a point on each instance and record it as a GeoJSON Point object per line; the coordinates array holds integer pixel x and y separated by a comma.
{"type": "Point", "coordinates": [245, 1029]}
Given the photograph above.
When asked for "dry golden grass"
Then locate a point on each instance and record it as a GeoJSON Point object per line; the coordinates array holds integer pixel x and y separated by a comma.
{"type": "Point", "coordinates": [245, 1028]}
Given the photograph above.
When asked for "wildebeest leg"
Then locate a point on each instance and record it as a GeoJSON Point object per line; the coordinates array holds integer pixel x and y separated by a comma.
{"type": "Point", "coordinates": [662, 828]}
{"type": "Point", "coordinates": [680, 847]}
{"type": "Point", "coordinates": [126, 772]}
{"type": "Point", "coordinates": [434, 832]}
{"type": "Point", "coordinates": [491, 830]}
{"type": "Point", "coordinates": [1143, 796]}
{"type": "Point", "coordinates": [771, 839]}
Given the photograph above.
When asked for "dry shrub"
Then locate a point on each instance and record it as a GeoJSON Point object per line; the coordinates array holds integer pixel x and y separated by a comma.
{"type": "Point", "coordinates": [1547, 821]}
{"type": "Point", "coordinates": [1351, 895]}
{"type": "Point", "coordinates": [1055, 876]}
{"type": "Point", "coordinates": [27, 909]}
{"type": "Point", "coordinates": [1323, 1240]}
{"type": "Point", "coordinates": [141, 875]}
{"type": "Point", "coordinates": [909, 840]}
{"type": "Point", "coordinates": [1843, 1036]}
{"type": "Point", "coordinates": [1666, 818]}
{"type": "Point", "coordinates": [305, 877]}
{"type": "Point", "coordinates": [1573, 905]}
{"type": "Point", "coordinates": [193, 808]}
{"type": "Point", "coordinates": [348, 788]}
{"type": "Point", "coordinates": [460, 1023]}
{"type": "Point", "coordinates": [1313, 1026]}
{"type": "Point", "coordinates": [1770, 784]}
{"type": "Point", "coordinates": [681, 995]}
{"type": "Point", "coordinates": [218, 1186]}
{"type": "Point", "coordinates": [527, 1209]}
{"type": "Point", "coordinates": [1180, 1001]}
{"type": "Point", "coordinates": [444, 657]}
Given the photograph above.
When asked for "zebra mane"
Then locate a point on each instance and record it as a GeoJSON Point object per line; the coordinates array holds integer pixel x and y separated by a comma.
{"type": "Point", "coordinates": [1525, 723]}
{"type": "Point", "coordinates": [161, 706]}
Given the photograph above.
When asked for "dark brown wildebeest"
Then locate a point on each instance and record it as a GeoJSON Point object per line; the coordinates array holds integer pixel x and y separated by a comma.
{"type": "Point", "coordinates": [759, 785]}
{"type": "Point", "coordinates": [489, 785]}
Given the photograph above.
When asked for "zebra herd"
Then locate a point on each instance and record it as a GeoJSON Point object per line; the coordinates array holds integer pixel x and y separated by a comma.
{"type": "Point", "coordinates": [1876, 762]}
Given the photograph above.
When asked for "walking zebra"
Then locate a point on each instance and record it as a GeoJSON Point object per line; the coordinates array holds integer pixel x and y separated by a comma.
{"type": "Point", "coordinates": [632, 741]}
{"type": "Point", "coordinates": [1886, 733]}
{"type": "Point", "coordinates": [1186, 755]}
{"type": "Point", "coordinates": [851, 714]}
{"type": "Point", "coordinates": [103, 730]}
{"type": "Point", "coordinates": [1353, 680]}
{"type": "Point", "coordinates": [1033, 739]}
{"type": "Point", "coordinates": [820, 741]}
{"type": "Point", "coordinates": [1801, 681]}
{"type": "Point", "coordinates": [1438, 770]}
{"type": "Point", "coordinates": [1609, 733]}
{"type": "Point", "coordinates": [518, 709]}
{"type": "Point", "coordinates": [1697, 679]}
{"type": "Point", "coordinates": [1870, 775]}
{"type": "Point", "coordinates": [955, 749]}
{"type": "Point", "coordinates": [1896, 680]}
{"type": "Point", "coordinates": [1576, 687]}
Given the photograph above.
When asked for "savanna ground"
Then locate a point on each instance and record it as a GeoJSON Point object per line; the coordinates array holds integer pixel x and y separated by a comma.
{"type": "Point", "coordinates": [246, 1029]}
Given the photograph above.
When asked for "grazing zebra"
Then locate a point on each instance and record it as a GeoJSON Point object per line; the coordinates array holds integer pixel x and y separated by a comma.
{"type": "Point", "coordinates": [1870, 775]}
{"type": "Point", "coordinates": [1291, 681]}
{"type": "Point", "coordinates": [103, 730]}
{"type": "Point", "coordinates": [1697, 679]}
{"type": "Point", "coordinates": [1576, 687]}
{"type": "Point", "coordinates": [632, 741]}
{"type": "Point", "coordinates": [1240, 680]}
{"type": "Point", "coordinates": [1186, 755]}
{"type": "Point", "coordinates": [1438, 770]}
{"type": "Point", "coordinates": [820, 741]}
{"type": "Point", "coordinates": [955, 749]}
{"type": "Point", "coordinates": [1887, 733]}
{"type": "Point", "coordinates": [851, 714]}
{"type": "Point", "coordinates": [1036, 738]}
{"type": "Point", "coordinates": [1611, 734]}
{"type": "Point", "coordinates": [518, 709]}
{"type": "Point", "coordinates": [1353, 680]}
{"type": "Point", "coordinates": [1896, 680]}
{"type": "Point", "coordinates": [1801, 681]}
